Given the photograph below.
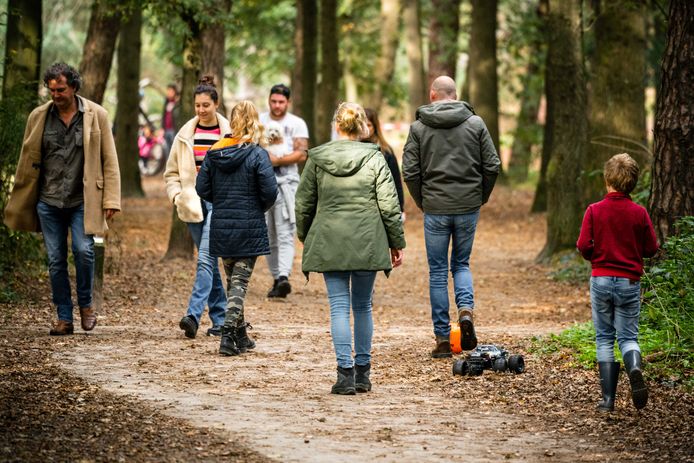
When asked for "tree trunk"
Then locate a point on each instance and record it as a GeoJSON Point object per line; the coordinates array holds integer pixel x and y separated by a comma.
{"type": "Point", "coordinates": [329, 70]}
{"type": "Point", "coordinates": [443, 38]}
{"type": "Point", "coordinates": [483, 78]}
{"type": "Point", "coordinates": [385, 65]}
{"type": "Point", "coordinates": [415, 70]}
{"type": "Point", "coordinates": [540, 199]}
{"type": "Point", "coordinates": [527, 126]}
{"type": "Point", "coordinates": [213, 51]}
{"type": "Point", "coordinates": [672, 194]}
{"type": "Point", "coordinates": [99, 46]}
{"type": "Point", "coordinates": [566, 93]}
{"type": "Point", "coordinates": [127, 113]}
{"type": "Point", "coordinates": [23, 54]}
{"type": "Point", "coordinates": [617, 99]}
{"type": "Point", "coordinates": [297, 81]}
{"type": "Point", "coordinates": [309, 65]}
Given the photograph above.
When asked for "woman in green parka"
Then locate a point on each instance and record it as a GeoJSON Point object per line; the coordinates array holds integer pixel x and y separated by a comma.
{"type": "Point", "coordinates": [348, 217]}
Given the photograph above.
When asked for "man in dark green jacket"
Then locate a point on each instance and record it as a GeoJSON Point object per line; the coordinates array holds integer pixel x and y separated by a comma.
{"type": "Point", "coordinates": [450, 166]}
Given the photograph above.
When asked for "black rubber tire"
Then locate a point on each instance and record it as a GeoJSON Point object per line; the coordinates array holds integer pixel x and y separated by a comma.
{"type": "Point", "coordinates": [516, 364]}
{"type": "Point", "coordinates": [500, 364]}
{"type": "Point", "coordinates": [476, 370]}
{"type": "Point", "coordinates": [461, 367]}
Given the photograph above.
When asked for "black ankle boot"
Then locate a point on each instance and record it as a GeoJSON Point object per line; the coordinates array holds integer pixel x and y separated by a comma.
{"type": "Point", "coordinates": [345, 382]}
{"type": "Point", "coordinates": [227, 345]}
{"type": "Point", "coordinates": [243, 341]}
{"type": "Point", "coordinates": [609, 375]}
{"type": "Point", "coordinates": [361, 378]}
{"type": "Point", "coordinates": [639, 390]}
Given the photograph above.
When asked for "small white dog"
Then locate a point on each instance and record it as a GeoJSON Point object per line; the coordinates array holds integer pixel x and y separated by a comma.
{"type": "Point", "coordinates": [276, 145]}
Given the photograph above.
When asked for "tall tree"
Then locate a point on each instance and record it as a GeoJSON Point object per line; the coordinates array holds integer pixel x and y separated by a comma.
{"type": "Point", "coordinates": [297, 82]}
{"type": "Point", "coordinates": [329, 70]}
{"type": "Point", "coordinates": [385, 64]}
{"type": "Point", "coordinates": [213, 49]}
{"type": "Point", "coordinates": [443, 38]}
{"type": "Point", "coordinates": [309, 65]}
{"type": "Point", "coordinates": [99, 46]}
{"type": "Point", "coordinates": [566, 94]}
{"type": "Point", "coordinates": [672, 195]}
{"type": "Point", "coordinates": [23, 53]}
{"type": "Point", "coordinates": [127, 112]}
{"type": "Point", "coordinates": [484, 87]}
{"type": "Point", "coordinates": [415, 70]}
{"type": "Point", "coordinates": [617, 98]}
{"type": "Point", "coordinates": [540, 199]}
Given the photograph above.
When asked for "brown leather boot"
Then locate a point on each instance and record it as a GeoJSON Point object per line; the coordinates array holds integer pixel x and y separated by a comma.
{"type": "Point", "coordinates": [88, 318]}
{"type": "Point", "coordinates": [62, 328]}
{"type": "Point", "coordinates": [468, 338]}
{"type": "Point", "coordinates": [443, 348]}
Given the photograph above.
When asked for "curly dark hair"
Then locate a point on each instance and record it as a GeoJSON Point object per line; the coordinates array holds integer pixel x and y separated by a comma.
{"type": "Point", "coordinates": [56, 70]}
{"type": "Point", "coordinates": [281, 89]}
{"type": "Point", "coordinates": [206, 86]}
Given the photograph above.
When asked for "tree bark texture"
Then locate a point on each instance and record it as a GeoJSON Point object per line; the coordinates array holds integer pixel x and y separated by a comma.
{"type": "Point", "coordinates": [385, 65]}
{"type": "Point", "coordinates": [540, 198]}
{"type": "Point", "coordinates": [566, 93]}
{"type": "Point", "coordinates": [127, 113]}
{"type": "Point", "coordinates": [297, 82]}
{"type": "Point", "coordinates": [617, 98]}
{"type": "Point", "coordinates": [443, 38]}
{"type": "Point", "coordinates": [213, 50]}
{"type": "Point", "coordinates": [23, 53]}
{"type": "Point", "coordinates": [99, 47]}
{"type": "Point", "coordinates": [309, 67]}
{"type": "Point", "coordinates": [672, 187]}
{"type": "Point", "coordinates": [413, 43]}
{"type": "Point", "coordinates": [484, 87]}
{"type": "Point", "coordinates": [329, 70]}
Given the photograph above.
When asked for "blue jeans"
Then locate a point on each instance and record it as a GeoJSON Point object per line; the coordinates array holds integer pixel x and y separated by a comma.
{"type": "Point", "coordinates": [208, 287]}
{"type": "Point", "coordinates": [360, 295]}
{"type": "Point", "coordinates": [616, 306]}
{"type": "Point", "coordinates": [439, 231]}
{"type": "Point", "coordinates": [55, 223]}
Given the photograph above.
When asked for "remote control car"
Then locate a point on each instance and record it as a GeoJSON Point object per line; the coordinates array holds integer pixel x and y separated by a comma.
{"type": "Point", "coordinates": [488, 357]}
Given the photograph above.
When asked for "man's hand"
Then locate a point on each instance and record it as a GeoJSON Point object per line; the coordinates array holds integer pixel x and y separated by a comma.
{"type": "Point", "coordinates": [396, 257]}
{"type": "Point", "coordinates": [109, 213]}
{"type": "Point", "coordinates": [274, 160]}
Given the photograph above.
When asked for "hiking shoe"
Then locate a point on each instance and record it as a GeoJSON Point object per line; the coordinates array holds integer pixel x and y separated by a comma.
{"type": "Point", "coordinates": [189, 326]}
{"type": "Point", "coordinates": [243, 341]}
{"type": "Point", "coordinates": [283, 287]}
{"type": "Point", "coordinates": [345, 382]}
{"type": "Point", "coordinates": [273, 291]}
{"type": "Point", "coordinates": [361, 377]}
{"type": "Point", "coordinates": [443, 348]}
{"type": "Point", "coordinates": [468, 339]}
{"type": "Point", "coordinates": [62, 328]}
{"type": "Point", "coordinates": [216, 330]}
{"type": "Point", "coordinates": [227, 345]}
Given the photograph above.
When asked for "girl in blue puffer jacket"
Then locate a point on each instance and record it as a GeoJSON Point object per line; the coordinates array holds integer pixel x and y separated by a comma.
{"type": "Point", "coordinates": [238, 179]}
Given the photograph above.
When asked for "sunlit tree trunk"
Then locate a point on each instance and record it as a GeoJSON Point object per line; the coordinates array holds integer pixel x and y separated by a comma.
{"type": "Point", "coordinates": [617, 97]}
{"type": "Point", "coordinates": [483, 77]}
{"type": "Point", "coordinates": [127, 113]}
{"type": "Point", "coordinates": [566, 93]}
{"type": "Point", "coordinates": [385, 64]}
{"type": "Point", "coordinates": [99, 47]}
{"type": "Point", "coordinates": [443, 38]}
{"type": "Point", "coordinates": [415, 70]}
{"type": "Point", "coordinates": [672, 191]}
{"type": "Point", "coordinates": [329, 70]}
{"type": "Point", "coordinates": [22, 53]}
{"type": "Point", "coordinates": [213, 50]}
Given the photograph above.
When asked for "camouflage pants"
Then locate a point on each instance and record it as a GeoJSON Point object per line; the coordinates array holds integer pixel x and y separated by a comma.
{"type": "Point", "coordinates": [239, 271]}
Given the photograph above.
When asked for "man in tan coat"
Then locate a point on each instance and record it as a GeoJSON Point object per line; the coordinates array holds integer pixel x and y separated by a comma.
{"type": "Point", "coordinates": [67, 179]}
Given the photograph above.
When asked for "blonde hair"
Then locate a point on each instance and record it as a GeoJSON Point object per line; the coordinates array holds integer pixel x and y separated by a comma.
{"type": "Point", "coordinates": [351, 120]}
{"type": "Point", "coordinates": [245, 125]}
{"type": "Point", "coordinates": [622, 173]}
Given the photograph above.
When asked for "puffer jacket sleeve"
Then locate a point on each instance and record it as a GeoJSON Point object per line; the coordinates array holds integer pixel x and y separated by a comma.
{"type": "Point", "coordinates": [387, 198]}
{"type": "Point", "coordinates": [306, 200]}
{"type": "Point", "coordinates": [203, 182]}
{"type": "Point", "coordinates": [267, 182]}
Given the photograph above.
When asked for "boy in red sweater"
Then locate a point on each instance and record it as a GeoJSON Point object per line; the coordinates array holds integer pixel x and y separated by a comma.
{"type": "Point", "coordinates": [616, 235]}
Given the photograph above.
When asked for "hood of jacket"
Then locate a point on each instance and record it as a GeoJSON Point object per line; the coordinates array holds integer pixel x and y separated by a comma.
{"type": "Point", "coordinates": [342, 158]}
{"type": "Point", "coordinates": [229, 159]}
{"type": "Point", "coordinates": [444, 114]}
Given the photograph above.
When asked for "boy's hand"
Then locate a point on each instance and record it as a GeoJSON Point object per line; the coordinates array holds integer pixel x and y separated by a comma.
{"type": "Point", "coordinates": [396, 257]}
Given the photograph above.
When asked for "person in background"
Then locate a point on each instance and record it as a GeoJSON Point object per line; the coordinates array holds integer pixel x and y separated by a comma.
{"type": "Point", "coordinates": [280, 218]}
{"type": "Point", "coordinates": [348, 218]}
{"type": "Point", "coordinates": [375, 135]}
{"type": "Point", "coordinates": [187, 155]}
{"type": "Point", "coordinates": [170, 115]}
{"type": "Point", "coordinates": [238, 179]}
{"type": "Point", "coordinates": [67, 180]}
{"type": "Point", "coordinates": [616, 234]}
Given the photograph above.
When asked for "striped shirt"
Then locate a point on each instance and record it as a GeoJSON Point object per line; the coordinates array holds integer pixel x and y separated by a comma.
{"type": "Point", "coordinates": [203, 139]}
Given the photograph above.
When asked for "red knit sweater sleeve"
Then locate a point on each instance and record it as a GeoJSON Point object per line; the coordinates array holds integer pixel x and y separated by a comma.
{"type": "Point", "coordinates": [585, 243]}
{"type": "Point", "coordinates": [650, 243]}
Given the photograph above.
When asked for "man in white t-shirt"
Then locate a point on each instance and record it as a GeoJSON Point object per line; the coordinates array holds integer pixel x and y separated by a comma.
{"type": "Point", "coordinates": [281, 222]}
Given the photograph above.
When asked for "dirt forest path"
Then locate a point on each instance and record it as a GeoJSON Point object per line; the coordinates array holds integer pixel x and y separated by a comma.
{"type": "Point", "coordinates": [275, 401]}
